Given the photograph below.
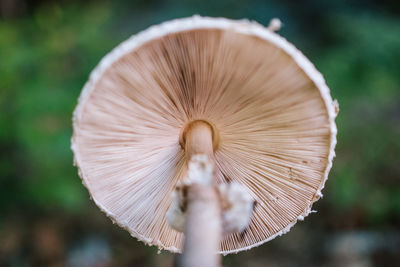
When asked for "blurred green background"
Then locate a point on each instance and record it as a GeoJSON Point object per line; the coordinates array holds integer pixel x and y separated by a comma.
{"type": "Point", "coordinates": [47, 50]}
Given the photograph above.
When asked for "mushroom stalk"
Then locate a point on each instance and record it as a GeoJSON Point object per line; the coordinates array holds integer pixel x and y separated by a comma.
{"type": "Point", "coordinates": [198, 139]}
{"type": "Point", "coordinates": [203, 224]}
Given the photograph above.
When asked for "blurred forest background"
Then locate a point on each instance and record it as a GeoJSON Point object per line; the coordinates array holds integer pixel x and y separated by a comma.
{"type": "Point", "coordinates": [47, 50]}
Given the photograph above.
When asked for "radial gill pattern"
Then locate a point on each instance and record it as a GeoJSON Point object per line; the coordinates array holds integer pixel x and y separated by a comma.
{"type": "Point", "coordinates": [271, 108]}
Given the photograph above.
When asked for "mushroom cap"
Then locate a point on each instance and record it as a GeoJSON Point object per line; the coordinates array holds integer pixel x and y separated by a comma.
{"type": "Point", "coordinates": [271, 107]}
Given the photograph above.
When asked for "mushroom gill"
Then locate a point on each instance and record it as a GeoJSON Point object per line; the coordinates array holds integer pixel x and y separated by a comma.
{"type": "Point", "coordinates": [270, 108]}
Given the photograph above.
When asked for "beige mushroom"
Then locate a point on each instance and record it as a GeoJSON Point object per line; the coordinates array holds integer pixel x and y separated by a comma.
{"type": "Point", "coordinates": [232, 90]}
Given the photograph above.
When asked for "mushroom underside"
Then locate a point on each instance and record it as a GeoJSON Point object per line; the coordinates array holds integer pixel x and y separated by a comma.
{"type": "Point", "coordinates": [274, 126]}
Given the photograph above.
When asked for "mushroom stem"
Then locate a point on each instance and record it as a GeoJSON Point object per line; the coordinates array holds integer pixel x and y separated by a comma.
{"type": "Point", "coordinates": [203, 228]}
{"type": "Point", "coordinates": [203, 224]}
{"type": "Point", "coordinates": [198, 139]}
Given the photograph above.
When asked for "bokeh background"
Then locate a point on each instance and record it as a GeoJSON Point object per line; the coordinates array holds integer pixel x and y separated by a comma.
{"type": "Point", "coordinates": [47, 50]}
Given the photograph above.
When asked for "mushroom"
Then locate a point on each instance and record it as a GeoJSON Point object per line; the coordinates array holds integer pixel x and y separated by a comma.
{"type": "Point", "coordinates": [232, 98]}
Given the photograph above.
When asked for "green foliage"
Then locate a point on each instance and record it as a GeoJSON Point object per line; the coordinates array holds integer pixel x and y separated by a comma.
{"type": "Point", "coordinates": [46, 61]}
{"type": "Point", "coordinates": [363, 70]}
{"type": "Point", "coordinates": [47, 56]}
